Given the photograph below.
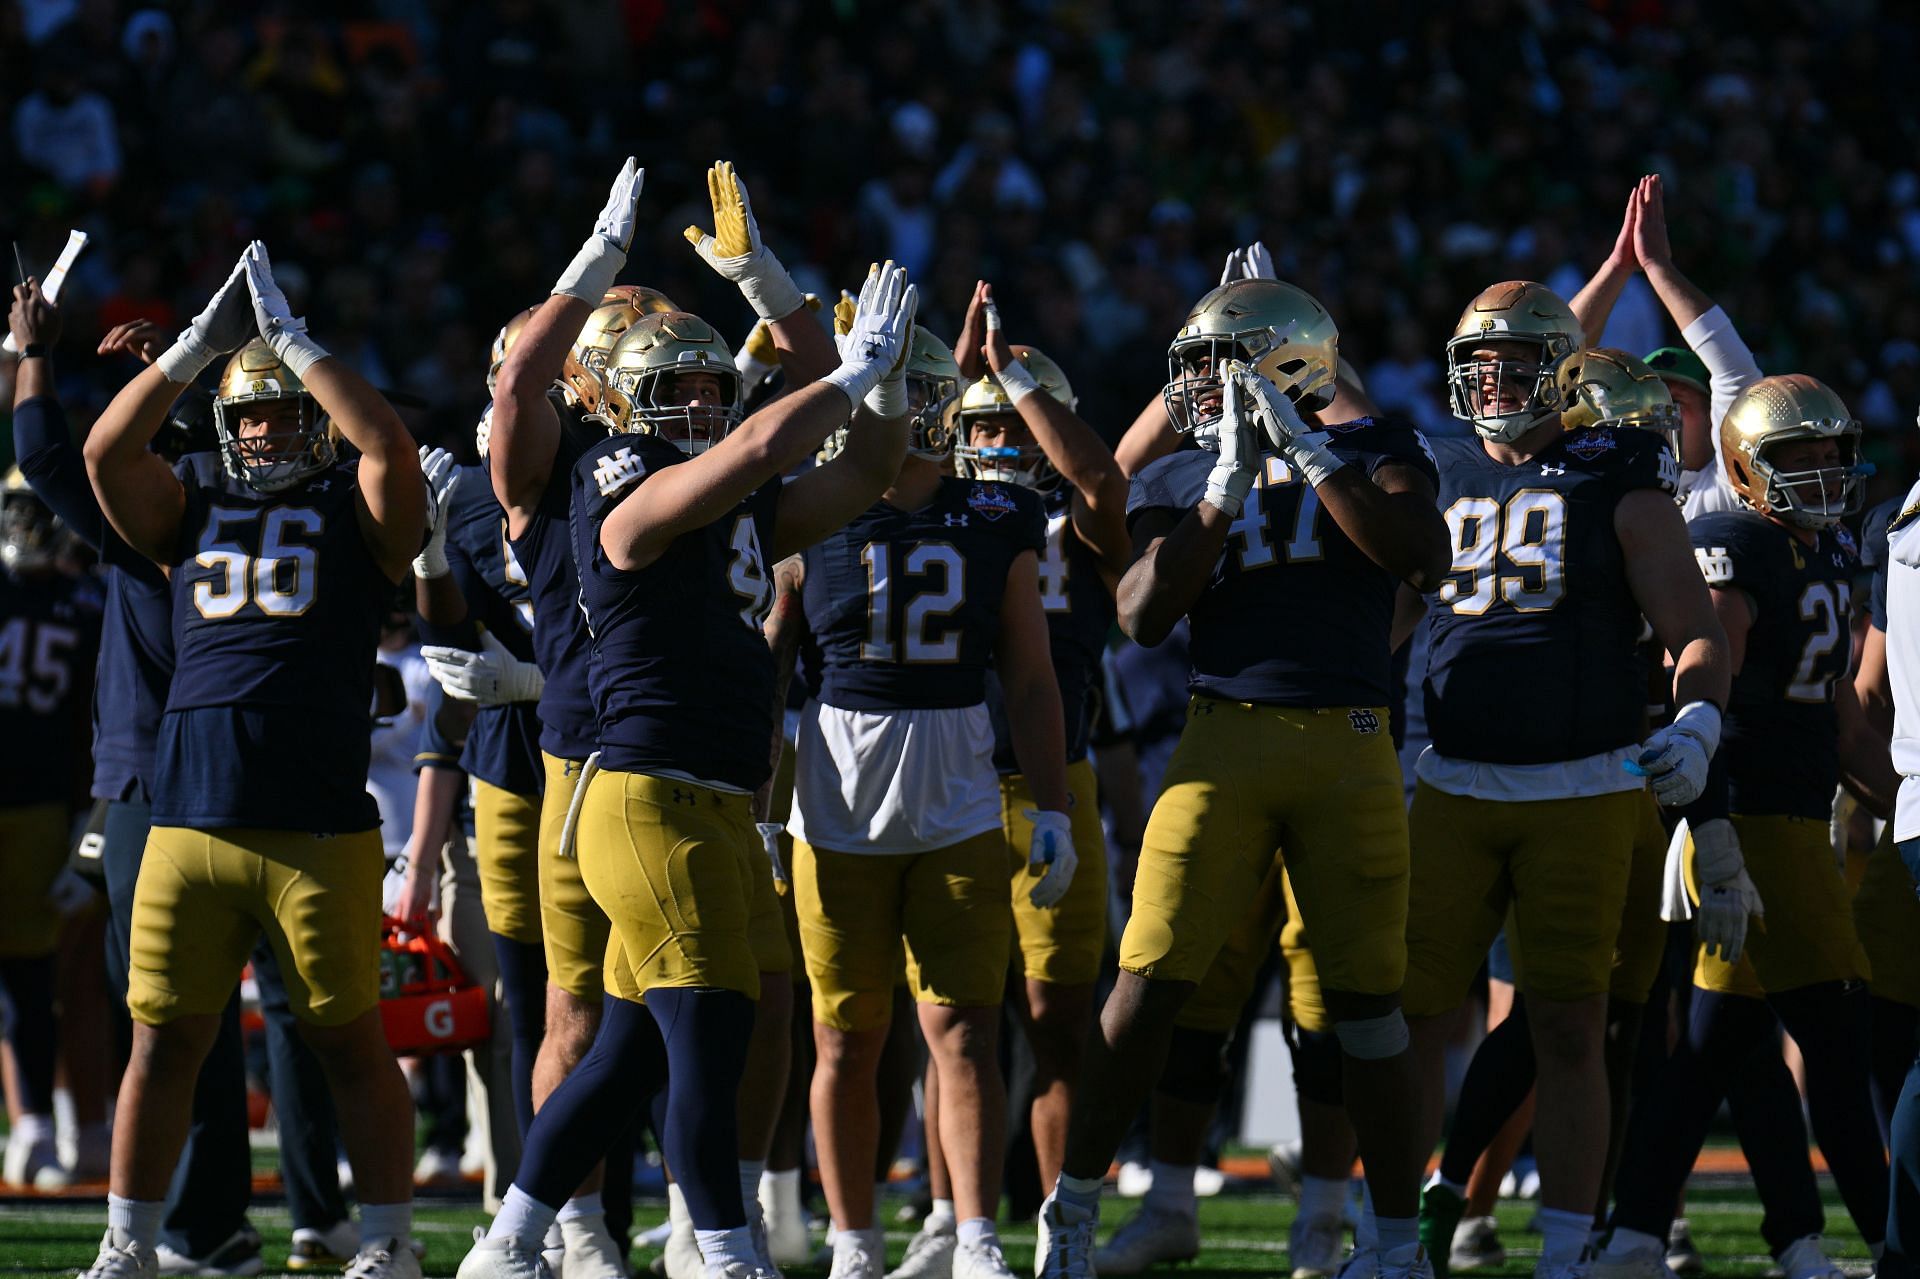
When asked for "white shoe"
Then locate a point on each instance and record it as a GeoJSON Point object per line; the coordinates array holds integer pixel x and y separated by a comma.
{"type": "Point", "coordinates": [1476, 1245]}
{"type": "Point", "coordinates": [384, 1259]}
{"type": "Point", "coordinates": [929, 1253]}
{"type": "Point", "coordinates": [681, 1257]}
{"type": "Point", "coordinates": [30, 1163]}
{"type": "Point", "coordinates": [1647, 1261]}
{"type": "Point", "coordinates": [503, 1258]}
{"type": "Point", "coordinates": [1134, 1181]}
{"type": "Point", "coordinates": [1683, 1256]}
{"type": "Point", "coordinates": [982, 1260]}
{"type": "Point", "coordinates": [329, 1249]}
{"type": "Point", "coordinates": [437, 1170]}
{"type": "Point", "coordinates": [591, 1251]}
{"type": "Point", "coordinates": [1314, 1245]}
{"type": "Point", "coordinates": [1805, 1259]}
{"type": "Point", "coordinates": [851, 1260]}
{"type": "Point", "coordinates": [121, 1258]}
{"type": "Point", "coordinates": [1066, 1241]}
{"type": "Point", "coordinates": [740, 1270]}
{"type": "Point", "coordinates": [1208, 1181]}
{"type": "Point", "coordinates": [1409, 1262]}
{"type": "Point", "coordinates": [1153, 1235]}
{"type": "Point", "coordinates": [239, 1255]}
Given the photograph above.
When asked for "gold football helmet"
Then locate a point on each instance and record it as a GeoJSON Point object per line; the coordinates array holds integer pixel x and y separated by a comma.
{"type": "Point", "coordinates": [654, 348]}
{"type": "Point", "coordinates": [1279, 329]}
{"type": "Point", "coordinates": [271, 460]}
{"type": "Point", "coordinates": [1027, 466]}
{"type": "Point", "coordinates": [1779, 410]}
{"type": "Point", "coordinates": [32, 538]}
{"type": "Point", "coordinates": [933, 385]}
{"type": "Point", "coordinates": [620, 307]}
{"type": "Point", "coordinates": [503, 342]}
{"type": "Point", "coordinates": [1605, 387]}
{"type": "Point", "coordinates": [1507, 397]}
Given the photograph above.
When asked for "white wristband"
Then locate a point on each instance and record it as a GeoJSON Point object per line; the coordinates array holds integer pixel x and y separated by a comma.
{"type": "Point", "coordinates": [1227, 489]}
{"type": "Point", "coordinates": [185, 360]}
{"type": "Point", "coordinates": [592, 271]}
{"type": "Point", "coordinates": [298, 352]}
{"type": "Point", "coordinates": [1017, 381]}
{"type": "Point", "coordinates": [888, 398]}
{"type": "Point", "coordinates": [769, 290]}
{"type": "Point", "coordinates": [856, 379]}
{"type": "Point", "coordinates": [1310, 456]}
{"type": "Point", "coordinates": [431, 562]}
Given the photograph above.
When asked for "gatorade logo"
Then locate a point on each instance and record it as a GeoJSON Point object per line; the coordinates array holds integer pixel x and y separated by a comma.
{"type": "Point", "coordinates": [439, 1019]}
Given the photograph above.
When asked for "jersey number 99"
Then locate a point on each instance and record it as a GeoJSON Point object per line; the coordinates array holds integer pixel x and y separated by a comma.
{"type": "Point", "coordinates": [1514, 551]}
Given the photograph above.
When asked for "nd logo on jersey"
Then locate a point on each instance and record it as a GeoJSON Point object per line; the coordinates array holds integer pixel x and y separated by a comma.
{"type": "Point", "coordinates": [615, 471]}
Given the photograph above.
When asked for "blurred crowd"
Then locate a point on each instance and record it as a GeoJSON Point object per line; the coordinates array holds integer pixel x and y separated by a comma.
{"type": "Point", "coordinates": [424, 162]}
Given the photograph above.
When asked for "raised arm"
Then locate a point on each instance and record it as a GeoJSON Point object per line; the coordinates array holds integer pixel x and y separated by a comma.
{"type": "Point", "coordinates": [823, 499]}
{"type": "Point", "coordinates": [735, 250]}
{"type": "Point", "coordinates": [436, 592]}
{"type": "Point", "coordinates": [526, 430]}
{"type": "Point", "coordinates": [1150, 438]}
{"type": "Point", "coordinates": [392, 497]}
{"type": "Point", "coordinates": [138, 492]}
{"type": "Point", "coordinates": [1594, 303]}
{"type": "Point", "coordinates": [48, 454]}
{"type": "Point", "coordinates": [693, 494]}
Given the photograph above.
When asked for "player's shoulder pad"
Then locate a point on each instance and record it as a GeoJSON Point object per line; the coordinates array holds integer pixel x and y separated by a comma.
{"type": "Point", "coordinates": [1175, 482]}
{"type": "Point", "coordinates": [1873, 532]}
{"type": "Point", "coordinates": [1732, 547]}
{"type": "Point", "coordinates": [1635, 458]}
{"type": "Point", "coordinates": [610, 468]}
{"type": "Point", "coordinates": [1379, 440]}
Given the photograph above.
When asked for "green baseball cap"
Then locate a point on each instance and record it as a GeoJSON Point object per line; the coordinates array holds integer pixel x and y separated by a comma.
{"type": "Point", "coordinates": [1680, 364]}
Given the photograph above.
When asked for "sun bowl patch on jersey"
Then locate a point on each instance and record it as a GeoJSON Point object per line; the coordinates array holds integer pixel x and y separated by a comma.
{"type": "Point", "coordinates": [1588, 445]}
{"type": "Point", "coordinates": [991, 500]}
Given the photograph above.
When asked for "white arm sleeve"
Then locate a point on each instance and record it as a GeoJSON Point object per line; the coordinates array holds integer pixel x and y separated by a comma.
{"type": "Point", "coordinates": [1730, 365]}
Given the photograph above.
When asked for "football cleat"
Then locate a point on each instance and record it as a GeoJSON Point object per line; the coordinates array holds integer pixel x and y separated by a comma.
{"type": "Point", "coordinates": [1683, 1257]}
{"type": "Point", "coordinates": [929, 1254]}
{"type": "Point", "coordinates": [384, 1259]}
{"type": "Point", "coordinates": [1805, 1258]}
{"type": "Point", "coordinates": [852, 1261]}
{"type": "Point", "coordinates": [1476, 1246]}
{"type": "Point", "coordinates": [1314, 1245]}
{"type": "Point", "coordinates": [1408, 1262]}
{"type": "Point", "coordinates": [1638, 1262]}
{"type": "Point", "coordinates": [1152, 1236]}
{"type": "Point", "coordinates": [503, 1258]}
{"type": "Point", "coordinates": [121, 1258]}
{"type": "Point", "coordinates": [1065, 1245]}
{"type": "Point", "coordinates": [329, 1249]}
{"type": "Point", "coordinates": [239, 1255]}
{"type": "Point", "coordinates": [982, 1260]}
{"type": "Point", "coordinates": [1441, 1208]}
{"type": "Point", "coordinates": [589, 1250]}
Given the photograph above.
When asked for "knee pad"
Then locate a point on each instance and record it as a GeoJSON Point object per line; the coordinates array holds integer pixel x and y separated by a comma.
{"type": "Point", "coordinates": [1374, 1038]}
{"type": "Point", "coordinates": [1316, 1066]}
{"type": "Point", "coordinates": [1196, 1069]}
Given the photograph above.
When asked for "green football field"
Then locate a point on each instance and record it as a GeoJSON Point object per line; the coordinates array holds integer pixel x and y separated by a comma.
{"type": "Point", "coordinates": [1243, 1234]}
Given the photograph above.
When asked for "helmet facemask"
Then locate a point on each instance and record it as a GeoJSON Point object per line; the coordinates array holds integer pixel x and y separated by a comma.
{"type": "Point", "coordinates": [637, 406]}
{"type": "Point", "coordinates": [1479, 386]}
{"type": "Point", "coordinates": [932, 417]}
{"type": "Point", "coordinates": [1025, 465]}
{"type": "Point", "coordinates": [1195, 397]}
{"type": "Point", "coordinates": [1819, 497]}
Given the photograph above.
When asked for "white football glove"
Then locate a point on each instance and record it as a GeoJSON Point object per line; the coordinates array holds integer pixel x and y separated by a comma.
{"type": "Point", "coordinates": [1838, 822]}
{"type": "Point", "coordinates": [1674, 759]}
{"type": "Point", "coordinates": [436, 466]}
{"type": "Point", "coordinates": [882, 330]}
{"type": "Point", "coordinates": [770, 844]}
{"type": "Point", "coordinates": [1232, 476]}
{"type": "Point", "coordinates": [1280, 423]}
{"type": "Point", "coordinates": [735, 251]}
{"type": "Point", "coordinates": [285, 332]}
{"type": "Point", "coordinates": [1051, 855]}
{"type": "Point", "coordinates": [591, 273]}
{"type": "Point", "coordinates": [491, 677]}
{"type": "Point", "coordinates": [69, 894]}
{"type": "Point", "coordinates": [1727, 896]}
{"type": "Point", "coordinates": [1250, 263]}
{"type": "Point", "coordinates": [223, 327]}
{"type": "Point", "coordinates": [1016, 380]}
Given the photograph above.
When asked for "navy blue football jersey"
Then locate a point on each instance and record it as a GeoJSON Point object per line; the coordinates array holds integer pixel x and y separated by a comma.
{"type": "Point", "coordinates": [905, 605]}
{"type": "Point", "coordinates": [49, 637]}
{"type": "Point", "coordinates": [544, 550]}
{"type": "Point", "coordinates": [503, 746]}
{"type": "Point", "coordinates": [1874, 556]}
{"type": "Point", "coordinates": [277, 605]}
{"type": "Point", "coordinates": [1080, 613]}
{"type": "Point", "coordinates": [1535, 631]}
{"type": "Point", "coordinates": [1780, 738]}
{"type": "Point", "coordinates": [1295, 614]}
{"type": "Point", "coordinates": [679, 666]}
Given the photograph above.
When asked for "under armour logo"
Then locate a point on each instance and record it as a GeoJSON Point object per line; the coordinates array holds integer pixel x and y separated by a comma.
{"type": "Point", "coordinates": [956, 519]}
{"type": "Point", "coordinates": [1364, 721]}
{"type": "Point", "coordinates": [616, 471]}
{"type": "Point", "coordinates": [684, 796]}
{"type": "Point", "coordinates": [1549, 468]}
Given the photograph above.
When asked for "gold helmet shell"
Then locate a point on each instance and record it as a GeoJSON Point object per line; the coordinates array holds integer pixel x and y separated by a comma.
{"type": "Point", "coordinates": [1779, 410]}
{"type": "Point", "coordinates": [620, 307]}
{"type": "Point", "coordinates": [933, 393]}
{"type": "Point", "coordinates": [1606, 387]}
{"type": "Point", "coordinates": [32, 537]}
{"type": "Point", "coordinates": [1027, 466]}
{"type": "Point", "coordinates": [503, 342]}
{"type": "Point", "coordinates": [1513, 311]}
{"type": "Point", "coordinates": [271, 460]}
{"type": "Point", "coordinates": [1279, 329]}
{"type": "Point", "coordinates": [657, 346]}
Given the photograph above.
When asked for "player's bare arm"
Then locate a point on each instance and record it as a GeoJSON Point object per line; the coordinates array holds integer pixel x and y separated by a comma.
{"type": "Point", "coordinates": [1866, 762]}
{"type": "Point", "coordinates": [138, 492]}
{"type": "Point", "coordinates": [391, 496]}
{"type": "Point", "coordinates": [823, 499]}
{"type": "Point", "coordinates": [1150, 438]}
{"type": "Point", "coordinates": [1076, 450]}
{"type": "Point", "coordinates": [1393, 519]}
{"type": "Point", "coordinates": [1174, 559]}
{"type": "Point", "coordinates": [1023, 654]}
{"type": "Point", "coordinates": [734, 249]}
{"type": "Point", "coordinates": [1667, 585]}
{"type": "Point", "coordinates": [526, 430]}
{"type": "Point", "coordinates": [692, 495]}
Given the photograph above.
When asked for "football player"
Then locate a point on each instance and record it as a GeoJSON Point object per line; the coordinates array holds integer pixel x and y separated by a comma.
{"type": "Point", "coordinates": [282, 560]}
{"type": "Point", "coordinates": [1009, 435]}
{"type": "Point", "coordinates": [1562, 540]}
{"type": "Point", "coordinates": [1284, 546]}
{"type": "Point", "coordinates": [670, 523]}
{"type": "Point", "coordinates": [1780, 573]}
{"type": "Point", "coordinates": [897, 809]}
